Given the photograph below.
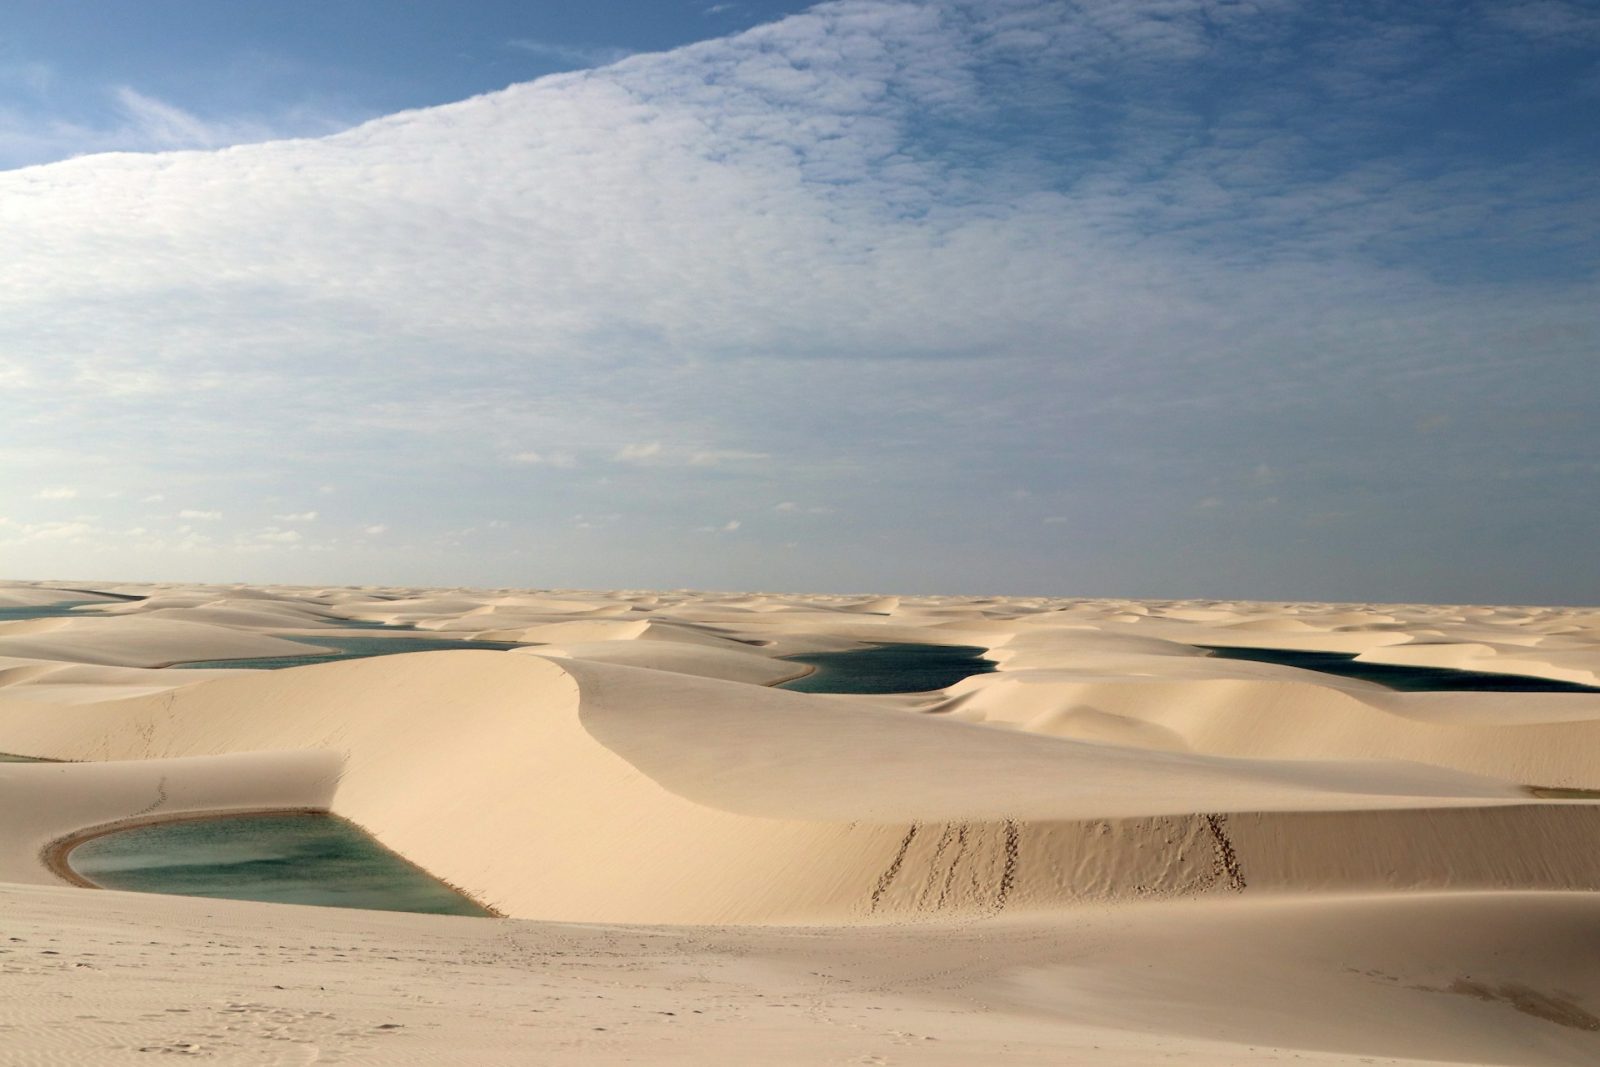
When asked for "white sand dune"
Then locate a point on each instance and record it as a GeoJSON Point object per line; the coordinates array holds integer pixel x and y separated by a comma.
{"type": "Point", "coordinates": [722, 790]}
{"type": "Point", "coordinates": [731, 663]}
{"type": "Point", "coordinates": [1315, 980]}
{"type": "Point", "coordinates": [48, 801]}
{"type": "Point", "coordinates": [138, 641]}
{"type": "Point", "coordinates": [1576, 663]}
{"type": "Point", "coordinates": [24, 595]}
{"type": "Point", "coordinates": [1116, 848]}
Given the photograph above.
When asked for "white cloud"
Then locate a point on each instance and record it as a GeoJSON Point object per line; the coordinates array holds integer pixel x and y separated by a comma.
{"type": "Point", "coordinates": [638, 453]}
{"type": "Point", "coordinates": [163, 125]}
{"type": "Point", "coordinates": [655, 452]}
{"type": "Point", "coordinates": [547, 459]}
{"type": "Point", "coordinates": [1550, 20]}
{"type": "Point", "coordinates": [65, 531]}
{"type": "Point", "coordinates": [61, 493]}
{"type": "Point", "coordinates": [275, 536]}
{"type": "Point", "coordinates": [198, 514]}
{"type": "Point", "coordinates": [375, 529]}
{"type": "Point", "coordinates": [806, 242]}
{"type": "Point", "coordinates": [594, 522]}
{"type": "Point", "coordinates": [297, 516]}
{"type": "Point", "coordinates": [715, 456]}
{"type": "Point", "coordinates": [19, 533]}
{"type": "Point", "coordinates": [134, 121]}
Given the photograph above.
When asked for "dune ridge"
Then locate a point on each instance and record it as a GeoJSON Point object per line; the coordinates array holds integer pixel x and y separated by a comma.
{"type": "Point", "coordinates": [631, 763]}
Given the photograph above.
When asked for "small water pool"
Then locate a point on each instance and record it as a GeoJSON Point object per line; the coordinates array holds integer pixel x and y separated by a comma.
{"type": "Point", "coordinates": [46, 611]}
{"type": "Point", "coordinates": [1406, 679]}
{"type": "Point", "coordinates": [281, 857]}
{"type": "Point", "coordinates": [891, 668]}
{"type": "Point", "coordinates": [347, 647]}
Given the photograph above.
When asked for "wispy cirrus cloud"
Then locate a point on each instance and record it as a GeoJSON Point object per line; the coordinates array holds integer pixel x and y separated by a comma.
{"type": "Point", "coordinates": [570, 56]}
{"type": "Point", "coordinates": [34, 129]}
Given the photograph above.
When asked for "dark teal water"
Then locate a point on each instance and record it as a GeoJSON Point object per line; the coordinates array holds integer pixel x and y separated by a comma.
{"type": "Point", "coordinates": [1405, 679]}
{"type": "Point", "coordinates": [895, 668]}
{"type": "Point", "coordinates": [52, 611]}
{"type": "Point", "coordinates": [280, 858]}
{"type": "Point", "coordinates": [348, 648]}
{"type": "Point", "coordinates": [368, 624]}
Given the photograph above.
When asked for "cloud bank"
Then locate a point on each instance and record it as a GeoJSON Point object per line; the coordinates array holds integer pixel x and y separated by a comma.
{"type": "Point", "coordinates": [898, 260]}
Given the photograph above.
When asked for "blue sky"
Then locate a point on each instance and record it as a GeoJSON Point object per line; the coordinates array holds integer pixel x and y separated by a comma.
{"type": "Point", "coordinates": [299, 67]}
{"type": "Point", "coordinates": [1156, 298]}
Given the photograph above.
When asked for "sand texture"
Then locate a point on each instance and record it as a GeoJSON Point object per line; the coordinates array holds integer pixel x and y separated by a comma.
{"type": "Point", "coordinates": [1116, 848]}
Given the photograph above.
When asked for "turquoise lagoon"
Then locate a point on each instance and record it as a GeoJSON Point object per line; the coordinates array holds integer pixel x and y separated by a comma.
{"type": "Point", "coordinates": [280, 857]}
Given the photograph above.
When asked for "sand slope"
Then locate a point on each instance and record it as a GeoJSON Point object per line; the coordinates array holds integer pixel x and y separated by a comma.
{"type": "Point", "coordinates": [114, 978]}
{"type": "Point", "coordinates": [525, 780]}
{"type": "Point", "coordinates": [1115, 849]}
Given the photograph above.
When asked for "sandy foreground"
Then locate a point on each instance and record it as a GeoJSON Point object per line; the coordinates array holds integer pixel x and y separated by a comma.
{"type": "Point", "coordinates": [1116, 849]}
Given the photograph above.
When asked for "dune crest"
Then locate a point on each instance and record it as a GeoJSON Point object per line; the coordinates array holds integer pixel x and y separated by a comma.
{"type": "Point", "coordinates": [631, 762]}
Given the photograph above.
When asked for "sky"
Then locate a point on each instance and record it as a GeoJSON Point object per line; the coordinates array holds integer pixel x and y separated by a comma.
{"type": "Point", "coordinates": [1150, 298]}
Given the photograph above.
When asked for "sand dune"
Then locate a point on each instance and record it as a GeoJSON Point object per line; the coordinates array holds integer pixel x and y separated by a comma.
{"type": "Point", "coordinates": [1155, 851]}
{"type": "Point", "coordinates": [1401, 980]}
{"type": "Point", "coordinates": [48, 801]}
{"type": "Point", "coordinates": [719, 789]}
{"type": "Point", "coordinates": [137, 642]}
{"type": "Point", "coordinates": [26, 595]}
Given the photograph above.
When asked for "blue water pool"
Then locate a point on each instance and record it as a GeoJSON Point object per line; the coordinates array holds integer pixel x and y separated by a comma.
{"type": "Point", "coordinates": [348, 647]}
{"type": "Point", "coordinates": [284, 858]}
{"type": "Point", "coordinates": [48, 611]}
{"type": "Point", "coordinates": [889, 668]}
{"type": "Point", "coordinates": [1408, 679]}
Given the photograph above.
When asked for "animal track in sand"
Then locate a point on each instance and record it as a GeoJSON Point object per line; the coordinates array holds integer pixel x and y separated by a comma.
{"type": "Point", "coordinates": [1557, 1007]}
{"type": "Point", "coordinates": [1227, 860]}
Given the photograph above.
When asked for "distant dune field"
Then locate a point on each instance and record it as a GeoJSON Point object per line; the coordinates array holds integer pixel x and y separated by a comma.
{"type": "Point", "coordinates": [1114, 848]}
